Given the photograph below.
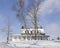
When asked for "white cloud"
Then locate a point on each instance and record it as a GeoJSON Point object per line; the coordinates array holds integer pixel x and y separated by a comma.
{"type": "Point", "coordinates": [49, 7]}
{"type": "Point", "coordinates": [2, 18]}
{"type": "Point", "coordinates": [53, 29]}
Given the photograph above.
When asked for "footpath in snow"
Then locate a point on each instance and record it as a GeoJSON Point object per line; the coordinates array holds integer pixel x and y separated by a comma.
{"type": "Point", "coordinates": [31, 44]}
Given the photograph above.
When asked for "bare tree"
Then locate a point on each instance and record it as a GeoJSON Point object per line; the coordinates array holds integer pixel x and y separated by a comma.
{"type": "Point", "coordinates": [8, 30]}
{"type": "Point", "coordinates": [20, 10]}
{"type": "Point", "coordinates": [34, 14]}
{"type": "Point", "coordinates": [32, 11]}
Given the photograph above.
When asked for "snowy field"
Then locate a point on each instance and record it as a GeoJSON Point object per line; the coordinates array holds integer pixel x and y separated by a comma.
{"type": "Point", "coordinates": [31, 44]}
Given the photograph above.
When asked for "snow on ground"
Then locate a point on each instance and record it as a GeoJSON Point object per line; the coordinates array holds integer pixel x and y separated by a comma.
{"type": "Point", "coordinates": [31, 44]}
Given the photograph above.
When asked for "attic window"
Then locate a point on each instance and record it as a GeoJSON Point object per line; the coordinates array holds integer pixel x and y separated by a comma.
{"type": "Point", "coordinates": [22, 27]}
{"type": "Point", "coordinates": [41, 27]}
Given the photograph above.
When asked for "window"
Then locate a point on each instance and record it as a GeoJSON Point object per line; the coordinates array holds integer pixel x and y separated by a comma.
{"type": "Point", "coordinates": [15, 37]}
{"type": "Point", "coordinates": [31, 32]}
{"type": "Point", "coordinates": [27, 31]}
{"type": "Point", "coordinates": [37, 31]}
{"type": "Point", "coordinates": [19, 37]}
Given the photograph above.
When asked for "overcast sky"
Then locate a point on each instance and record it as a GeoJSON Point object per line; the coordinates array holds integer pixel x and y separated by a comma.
{"type": "Point", "coordinates": [49, 17]}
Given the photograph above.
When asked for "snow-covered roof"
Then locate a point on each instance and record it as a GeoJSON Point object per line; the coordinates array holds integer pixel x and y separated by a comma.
{"type": "Point", "coordinates": [16, 34]}
{"type": "Point", "coordinates": [31, 29]}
